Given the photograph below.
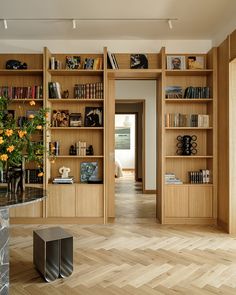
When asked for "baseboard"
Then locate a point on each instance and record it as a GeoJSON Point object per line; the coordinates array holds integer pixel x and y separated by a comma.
{"type": "Point", "coordinates": [57, 220]}
{"type": "Point", "coordinates": [193, 221]}
{"type": "Point", "coordinates": [149, 191]}
{"type": "Point", "coordinates": [223, 225]}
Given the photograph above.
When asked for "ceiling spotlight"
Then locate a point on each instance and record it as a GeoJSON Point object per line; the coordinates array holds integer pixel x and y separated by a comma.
{"type": "Point", "coordinates": [73, 24]}
{"type": "Point", "coordinates": [170, 24]}
{"type": "Point", "coordinates": [5, 24]}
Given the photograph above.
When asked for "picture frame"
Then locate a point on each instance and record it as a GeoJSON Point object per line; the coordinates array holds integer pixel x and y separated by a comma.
{"type": "Point", "coordinates": [176, 62]}
{"type": "Point", "coordinates": [196, 62]}
{"type": "Point", "coordinates": [174, 92]}
{"type": "Point", "coordinates": [93, 117]}
{"type": "Point", "coordinates": [75, 120]}
{"type": "Point", "coordinates": [88, 171]}
{"type": "Point", "coordinates": [138, 61]}
{"type": "Point", "coordinates": [122, 138]}
{"type": "Point", "coordinates": [60, 118]}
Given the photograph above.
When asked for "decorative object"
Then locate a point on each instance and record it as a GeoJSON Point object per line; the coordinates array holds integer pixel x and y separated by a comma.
{"type": "Point", "coordinates": [89, 151]}
{"type": "Point", "coordinates": [186, 145]}
{"type": "Point", "coordinates": [122, 138]}
{"type": "Point", "coordinates": [75, 120]}
{"type": "Point", "coordinates": [138, 61]}
{"type": "Point", "coordinates": [65, 93]}
{"type": "Point", "coordinates": [16, 145]}
{"type": "Point", "coordinates": [15, 65]}
{"type": "Point", "coordinates": [64, 171]}
{"type": "Point", "coordinates": [93, 117]}
{"type": "Point", "coordinates": [176, 62]}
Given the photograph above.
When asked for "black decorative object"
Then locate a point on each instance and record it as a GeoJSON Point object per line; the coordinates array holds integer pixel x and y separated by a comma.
{"type": "Point", "coordinates": [89, 151]}
{"type": "Point", "coordinates": [186, 145]}
{"type": "Point", "coordinates": [15, 65]}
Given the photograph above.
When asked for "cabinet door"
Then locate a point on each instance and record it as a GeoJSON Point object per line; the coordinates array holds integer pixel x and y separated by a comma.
{"type": "Point", "coordinates": [176, 201]}
{"type": "Point", "coordinates": [89, 200]}
{"type": "Point", "coordinates": [61, 200]}
{"type": "Point", "coordinates": [31, 210]}
{"type": "Point", "coordinates": [200, 201]}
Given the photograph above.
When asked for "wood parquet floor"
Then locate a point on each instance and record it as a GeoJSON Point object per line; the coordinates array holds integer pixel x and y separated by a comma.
{"type": "Point", "coordinates": [133, 256]}
{"type": "Point", "coordinates": [132, 259]}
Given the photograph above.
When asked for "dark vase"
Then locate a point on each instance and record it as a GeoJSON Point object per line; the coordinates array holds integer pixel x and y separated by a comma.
{"type": "Point", "coordinates": [15, 177]}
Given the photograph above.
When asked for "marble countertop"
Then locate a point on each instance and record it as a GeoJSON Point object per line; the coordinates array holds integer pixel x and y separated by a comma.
{"type": "Point", "coordinates": [30, 195]}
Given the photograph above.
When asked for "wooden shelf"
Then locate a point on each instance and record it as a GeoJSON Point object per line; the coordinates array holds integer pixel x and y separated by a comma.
{"type": "Point", "coordinates": [33, 72]}
{"type": "Point", "coordinates": [75, 128]}
{"type": "Point", "coordinates": [188, 100]}
{"type": "Point", "coordinates": [65, 72]}
{"type": "Point", "coordinates": [134, 73]}
{"type": "Point", "coordinates": [77, 100]}
{"type": "Point", "coordinates": [26, 99]}
{"type": "Point", "coordinates": [189, 157]}
{"type": "Point", "coordinates": [188, 128]}
{"type": "Point", "coordinates": [78, 157]}
{"type": "Point", "coordinates": [189, 72]}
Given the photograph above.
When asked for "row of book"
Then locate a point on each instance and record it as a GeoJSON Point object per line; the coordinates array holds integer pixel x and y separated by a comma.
{"type": "Point", "coordinates": [89, 90]}
{"type": "Point", "coordinates": [13, 92]}
{"type": "Point", "coordinates": [201, 176]}
{"type": "Point", "coordinates": [63, 180]}
{"type": "Point", "coordinates": [189, 92]}
{"type": "Point", "coordinates": [112, 61]}
{"type": "Point", "coordinates": [186, 120]}
{"type": "Point", "coordinates": [31, 176]}
{"type": "Point", "coordinates": [170, 178]}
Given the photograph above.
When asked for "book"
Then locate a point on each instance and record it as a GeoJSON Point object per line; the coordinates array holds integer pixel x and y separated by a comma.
{"type": "Point", "coordinates": [112, 63]}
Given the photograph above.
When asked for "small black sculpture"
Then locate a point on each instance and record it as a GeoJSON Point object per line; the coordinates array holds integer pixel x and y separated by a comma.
{"type": "Point", "coordinates": [15, 65]}
{"type": "Point", "coordinates": [15, 180]}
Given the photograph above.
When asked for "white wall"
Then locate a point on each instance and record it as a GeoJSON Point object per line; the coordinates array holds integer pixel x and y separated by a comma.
{"type": "Point", "coordinates": [84, 46]}
{"type": "Point", "coordinates": [126, 157]}
{"type": "Point", "coordinates": [144, 90]}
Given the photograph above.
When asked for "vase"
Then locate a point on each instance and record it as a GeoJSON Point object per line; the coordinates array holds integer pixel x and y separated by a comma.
{"type": "Point", "coordinates": [15, 177]}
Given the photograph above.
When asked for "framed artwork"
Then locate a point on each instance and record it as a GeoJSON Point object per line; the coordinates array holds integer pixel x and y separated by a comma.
{"type": "Point", "coordinates": [88, 171]}
{"type": "Point", "coordinates": [176, 62]}
{"type": "Point", "coordinates": [196, 62]}
{"type": "Point", "coordinates": [138, 61]}
{"type": "Point", "coordinates": [93, 117]}
{"type": "Point", "coordinates": [60, 118]}
{"type": "Point", "coordinates": [122, 138]}
{"type": "Point", "coordinates": [75, 120]}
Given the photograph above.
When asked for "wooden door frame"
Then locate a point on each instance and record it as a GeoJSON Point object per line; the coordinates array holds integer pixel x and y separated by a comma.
{"type": "Point", "coordinates": [143, 103]}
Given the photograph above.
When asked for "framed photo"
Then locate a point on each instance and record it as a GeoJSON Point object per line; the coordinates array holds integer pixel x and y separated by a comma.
{"type": "Point", "coordinates": [176, 62]}
{"type": "Point", "coordinates": [60, 118]}
{"type": "Point", "coordinates": [122, 138]}
{"type": "Point", "coordinates": [75, 120]}
{"type": "Point", "coordinates": [93, 117]}
{"type": "Point", "coordinates": [174, 92]}
{"type": "Point", "coordinates": [138, 61]}
{"type": "Point", "coordinates": [88, 171]}
{"type": "Point", "coordinates": [196, 62]}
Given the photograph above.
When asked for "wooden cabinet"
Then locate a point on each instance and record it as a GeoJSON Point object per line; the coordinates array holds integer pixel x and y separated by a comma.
{"type": "Point", "coordinates": [200, 201]}
{"type": "Point", "coordinates": [176, 201]}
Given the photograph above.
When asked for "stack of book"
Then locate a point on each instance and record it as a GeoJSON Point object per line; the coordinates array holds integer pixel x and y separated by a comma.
{"type": "Point", "coordinates": [170, 178]}
{"type": "Point", "coordinates": [63, 180]}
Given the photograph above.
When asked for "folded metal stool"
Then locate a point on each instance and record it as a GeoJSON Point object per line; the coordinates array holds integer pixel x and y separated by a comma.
{"type": "Point", "coordinates": [53, 253]}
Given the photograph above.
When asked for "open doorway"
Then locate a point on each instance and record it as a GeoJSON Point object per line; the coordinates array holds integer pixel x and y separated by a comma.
{"type": "Point", "coordinates": [130, 198]}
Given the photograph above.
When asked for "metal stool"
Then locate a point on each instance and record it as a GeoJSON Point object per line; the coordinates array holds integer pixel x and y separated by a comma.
{"type": "Point", "coordinates": [53, 253]}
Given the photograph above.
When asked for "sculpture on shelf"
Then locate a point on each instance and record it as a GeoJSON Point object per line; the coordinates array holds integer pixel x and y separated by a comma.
{"type": "Point", "coordinates": [64, 171]}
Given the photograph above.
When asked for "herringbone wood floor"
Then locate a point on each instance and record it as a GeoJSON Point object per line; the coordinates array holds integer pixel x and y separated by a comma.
{"type": "Point", "coordinates": [132, 259]}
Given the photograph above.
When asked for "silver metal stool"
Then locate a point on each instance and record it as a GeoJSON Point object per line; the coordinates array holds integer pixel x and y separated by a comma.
{"type": "Point", "coordinates": [53, 253]}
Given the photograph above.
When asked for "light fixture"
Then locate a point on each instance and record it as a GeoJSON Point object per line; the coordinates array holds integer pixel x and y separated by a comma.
{"type": "Point", "coordinates": [5, 24]}
{"type": "Point", "coordinates": [73, 23]}
{"type": "Point", "coordinates": [170, 24]}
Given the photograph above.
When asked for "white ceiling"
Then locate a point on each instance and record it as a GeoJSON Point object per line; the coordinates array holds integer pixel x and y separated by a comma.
{"type": "Point", "coordinates": [197, 19]}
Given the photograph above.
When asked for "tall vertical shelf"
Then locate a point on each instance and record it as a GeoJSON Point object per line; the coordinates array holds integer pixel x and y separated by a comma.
{"type": "Point", "coordinates": [77, 200]}
{"type": "Point", "coordinates": [32, 76]}
{"type": "Point", "coordinates": [187, 202]}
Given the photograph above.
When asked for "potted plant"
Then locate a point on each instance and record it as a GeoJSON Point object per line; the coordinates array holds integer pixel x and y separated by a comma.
{"type": "Point", "coordinates": [17, 146]}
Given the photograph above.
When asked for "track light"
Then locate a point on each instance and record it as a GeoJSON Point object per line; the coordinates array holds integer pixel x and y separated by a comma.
{"type": "Point", "coordinates": [5, 24]}
{"type": "Point", "coordinates": [170, 24]}
{"type": "Point", "coordinates": [73, 24]}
